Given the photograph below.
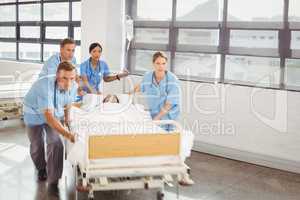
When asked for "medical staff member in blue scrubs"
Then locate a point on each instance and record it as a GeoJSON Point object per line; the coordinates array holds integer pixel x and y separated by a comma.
{"type": "Point", "coordinates": [67, 49]}
{"type": "Point", "coordinates": [162, 91]}
{"type": "Point", "coordinates": [93, 70]}
{"type": "Point", "coordinates": [45, 109]}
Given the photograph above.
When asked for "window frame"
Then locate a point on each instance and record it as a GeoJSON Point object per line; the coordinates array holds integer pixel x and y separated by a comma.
{"type": "Point", "coordinates": [42, 40]}
{"type": "Point", "coordinates": [283, 51]}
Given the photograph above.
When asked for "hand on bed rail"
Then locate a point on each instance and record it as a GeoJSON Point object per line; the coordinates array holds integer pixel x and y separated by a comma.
{"type": "Point", "coordinates": [70, 136]}
{"type": "Point", "coordinates": [177, 125]}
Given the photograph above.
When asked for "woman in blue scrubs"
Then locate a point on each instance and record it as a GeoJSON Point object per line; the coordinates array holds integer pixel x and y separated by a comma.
{"type": "Point", "coordinates": [93, 70]}
{"type": "Point", "coordinates": [162, 90]}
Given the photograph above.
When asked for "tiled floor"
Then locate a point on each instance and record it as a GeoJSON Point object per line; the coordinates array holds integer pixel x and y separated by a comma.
{"type": "Point", "coordinates": [216, 178]}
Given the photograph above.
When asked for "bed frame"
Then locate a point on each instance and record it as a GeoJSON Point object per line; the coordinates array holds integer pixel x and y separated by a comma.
{"type": "Point", "coordinates": [91, 177]}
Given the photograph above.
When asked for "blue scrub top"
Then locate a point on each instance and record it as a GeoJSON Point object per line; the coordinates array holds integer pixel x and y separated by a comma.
{"type": "Point", "coordinates": [94, 76]}
{"type": "Point", "coordinates": [168, 90]}
{"type": "Point", "coordinates": [45, 95]}
{"type": "Point", "coordinates": [50, 66]}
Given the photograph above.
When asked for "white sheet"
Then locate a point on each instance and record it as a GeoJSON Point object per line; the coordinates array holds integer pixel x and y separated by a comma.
{"type": "Point", "coordinates": [112, 119]}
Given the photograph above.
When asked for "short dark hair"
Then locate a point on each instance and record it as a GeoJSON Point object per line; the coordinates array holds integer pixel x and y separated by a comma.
{"type": "Point", "coordinates": [66, 41]}
{"type": "Point", "coordinates": [94, 45]}
{"type": "Point", "coordinates": [67, 66]}
{"type": "Point", "coordinates": [159, 54]}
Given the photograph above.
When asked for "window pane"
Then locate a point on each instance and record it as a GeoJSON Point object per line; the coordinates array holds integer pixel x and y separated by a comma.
{"type": "Point", "coordinates": [8, 13]}
{"type": "Point", "coordinates": [152, 35]}
{"type": "Point", "coordinates": [78, 54]}
{"type": "Point", "coordinates": [255, 10]}
{"type": "Point", "coordinates": [28, 51]}
{"type": "Point", "coordinates": [143, 60]}
{"type": "Point", "coordinates": [295, 43]}
{"type": "Point", "coordinates": [8, 50]}
{"type": "Point", "coordinates": [199, 10]}
{"type": "Point", "coordinates": [293, 72]}
{"type": "Point", "coordinates": [7, 1]}
{"type": "Point", "coordinates": [56, 11]}
{"type": "Point", "coordinates": [77, 33]}
{"type": "Point", "coordinates": [254, 39]}
{"type": "Point", "coordinates": [197, 65]}
{"type": "Point", "coordinates": [198, 37]}
{"type": "Point", "coordinates": [29, 31]}
{"type": "Point", "coordinates": [54, 32]}
{"type": "Point", "coordinates": [258, 70]}
{"type": "Point", "coordinates": [154, 10]}
{"type": "Point", "coordinates": [49, 50]}
{"type": "Point", "coordinates": [294, 10]}
{"type": "Point", "coordinates": [7, 32]}
{"type": "Point", "coordinates": [30, 12]}
{"type": "Point", "coordinates": [76, 11]}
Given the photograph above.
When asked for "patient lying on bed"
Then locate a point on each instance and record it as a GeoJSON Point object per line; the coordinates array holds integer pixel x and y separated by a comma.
{"type": "Point", "coordinates": [112, 115]}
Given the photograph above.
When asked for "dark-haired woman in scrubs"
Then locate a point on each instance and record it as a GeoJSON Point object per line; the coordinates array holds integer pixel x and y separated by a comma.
{"type": "Point", "coordinates": [93, 70]}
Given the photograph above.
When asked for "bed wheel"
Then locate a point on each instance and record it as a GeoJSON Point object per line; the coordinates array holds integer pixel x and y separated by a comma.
{"type": "Point", "coordinates": [160, 195]}
{"type": "Point", "coordinates": [91, 198]}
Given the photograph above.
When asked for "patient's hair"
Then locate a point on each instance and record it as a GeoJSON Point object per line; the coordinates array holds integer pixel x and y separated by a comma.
{"type": "Point", "coordinates": [111, 99]}
{"type": "Point", "coordinates": [67, 66]}
{"type": "Point", "coordinates": [66, 41]}
{"type": "Point", "coordinates": [94, 45]}
{"type": "Point", "coordinates": [159, 54]}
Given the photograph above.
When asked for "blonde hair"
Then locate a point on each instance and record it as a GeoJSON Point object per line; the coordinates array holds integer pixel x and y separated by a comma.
{"type": "Point", "coordinates": [159, 54]}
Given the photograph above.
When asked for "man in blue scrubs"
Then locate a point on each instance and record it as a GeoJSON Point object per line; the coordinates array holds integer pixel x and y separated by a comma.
{"type": "Point", "coordinates": [67, 49]}
{"type": "Point", "coordinates": [45, 109]}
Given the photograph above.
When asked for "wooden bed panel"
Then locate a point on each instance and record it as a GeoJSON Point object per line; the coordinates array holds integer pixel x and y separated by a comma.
{"type": "Point", "coordinates": [114, 146]}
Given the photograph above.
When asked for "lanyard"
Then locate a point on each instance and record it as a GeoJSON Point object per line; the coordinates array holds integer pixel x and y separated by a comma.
{"type": "Point", "coordinates": [94, 71]}
{"type": "Point", "coordinates": [55, 101]}
{"type": "Point", "coordinates": [167, 81]}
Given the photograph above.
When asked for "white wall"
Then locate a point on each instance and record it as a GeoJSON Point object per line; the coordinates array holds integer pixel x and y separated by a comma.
{"type": "Point", "coordinates": [102, 22]}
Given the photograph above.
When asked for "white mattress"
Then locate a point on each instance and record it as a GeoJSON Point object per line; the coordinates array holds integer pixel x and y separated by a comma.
{"type": "Point", "coordinates": [115, 119]}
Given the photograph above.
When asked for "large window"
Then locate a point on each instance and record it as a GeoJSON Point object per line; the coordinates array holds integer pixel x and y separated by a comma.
{"type": "Point", "coordinates": [153, 10]}
{"type": "Point", "coordinates": [255, 10]}
{"type": "Point", "coordinates": [31, 30]}
{"type": "Point", "coordinates": [251, 42]}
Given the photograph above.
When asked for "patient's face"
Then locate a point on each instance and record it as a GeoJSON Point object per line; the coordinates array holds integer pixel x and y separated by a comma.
{"type": "Point", "coordinates": [111, 99]}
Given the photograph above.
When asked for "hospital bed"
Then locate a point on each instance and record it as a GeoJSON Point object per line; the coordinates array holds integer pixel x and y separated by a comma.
{"type": "Point", "coordinates": [130, 161]}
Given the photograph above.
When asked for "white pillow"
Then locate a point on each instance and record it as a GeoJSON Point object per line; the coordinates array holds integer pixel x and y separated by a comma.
{"type": "Point", "coordinates": [90, 101]}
